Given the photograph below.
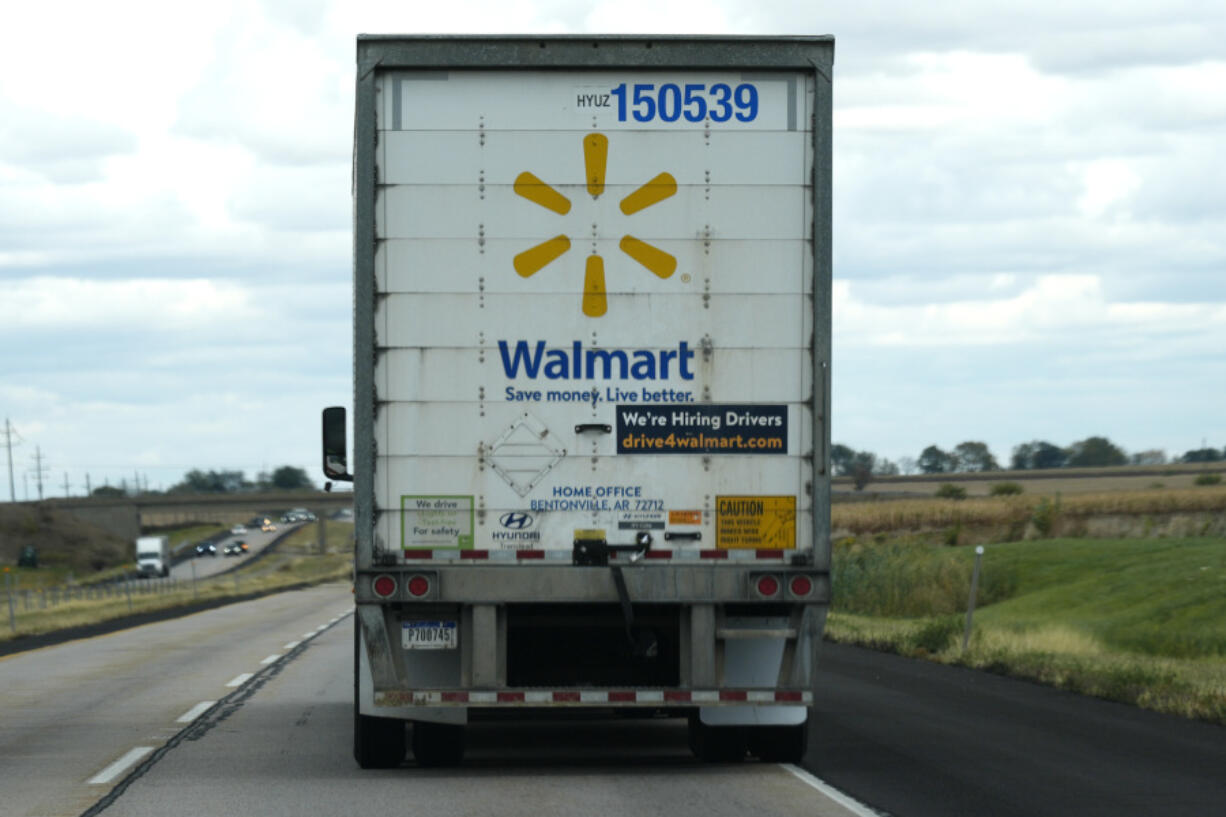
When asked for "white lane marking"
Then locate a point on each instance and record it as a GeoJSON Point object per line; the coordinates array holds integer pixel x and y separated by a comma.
{"type": "Point", "coordinates": [270, 659]}
{"type": "Point", "coordinates": [291, 645]}
{"type": "Point", "coordinates": [119, 766]}
{"type": "Point", "coordinates": [854, 806]}
{"type": "Point", "coordinates": [307, 635]}
{"type": "Point", "coordinates": [195, 712]}
{"type": "Point", "coordinates": [239, 680]}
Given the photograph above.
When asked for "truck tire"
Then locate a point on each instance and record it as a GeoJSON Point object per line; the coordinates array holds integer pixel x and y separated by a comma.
{"type": "Point", "coordinates": [437, 744]}
{"type": "Point", "coordinates": [378, 743]}
{"type": "Point", "coordinates": [778, 744]}
{"type": "Point", "coordinates": [716, 744]}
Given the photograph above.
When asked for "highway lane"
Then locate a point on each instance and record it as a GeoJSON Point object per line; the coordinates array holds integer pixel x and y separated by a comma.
{"type": "Point", "coordinates": [70, 711]}
{"type": "Point", "coordinates": [285, 750]}
{"type": "Point", "coordinates": [205, 566]}
{"type": "Point", "coordinates": [907, 737]}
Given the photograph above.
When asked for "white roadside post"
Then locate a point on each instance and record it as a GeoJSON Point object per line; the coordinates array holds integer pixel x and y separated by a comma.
{"type": "Point", "coordinates": [970, 606]}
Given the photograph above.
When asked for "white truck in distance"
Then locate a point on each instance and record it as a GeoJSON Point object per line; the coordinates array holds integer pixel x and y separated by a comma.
{"type": "Point", "coordinates": [152, 556]}
{"type": "Point", "coordinates": [591, 385]}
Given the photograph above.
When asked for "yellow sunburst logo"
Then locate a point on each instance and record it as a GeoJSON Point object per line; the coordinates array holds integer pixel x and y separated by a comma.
{"type": "Point", "coordinates": [595, 159]}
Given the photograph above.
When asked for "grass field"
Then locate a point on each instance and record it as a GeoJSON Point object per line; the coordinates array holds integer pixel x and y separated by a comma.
{"type": "Point", "coordinates": [1133, 620]}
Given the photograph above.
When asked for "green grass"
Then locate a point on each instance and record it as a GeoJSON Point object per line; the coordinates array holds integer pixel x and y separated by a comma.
{"type": "Point", "coordinates": [1140, 621]}
{"type": "Point", "coordinates": [1164, 597]}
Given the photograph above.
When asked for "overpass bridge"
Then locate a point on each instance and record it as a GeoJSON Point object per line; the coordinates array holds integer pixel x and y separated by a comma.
{"type": "Point", "coordinates": [128, 516]}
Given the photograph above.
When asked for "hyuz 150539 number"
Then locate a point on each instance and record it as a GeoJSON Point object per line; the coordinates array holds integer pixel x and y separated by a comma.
{"type": "Point", "coordinates": [692, 102]}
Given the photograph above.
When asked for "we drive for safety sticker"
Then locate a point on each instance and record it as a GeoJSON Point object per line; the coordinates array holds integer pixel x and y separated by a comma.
{"type": "Point", "coordinates": [757, 522]}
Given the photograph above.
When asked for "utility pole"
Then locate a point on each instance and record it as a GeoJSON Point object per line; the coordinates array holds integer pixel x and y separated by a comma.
{"type": "Point", "coordinates": [9, 434]}
{"type": "Point", "coordinates": [39, 470]}
{"type": "Point", "coordinates": [88, 492]}
{"type": "Point", "coordinates": [65, 485]}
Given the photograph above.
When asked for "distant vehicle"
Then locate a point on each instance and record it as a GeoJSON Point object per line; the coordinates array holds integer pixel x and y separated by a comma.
{"type": "Point", "coordinates": [238, 529]}
{"type": "Point", "coordinates": [206, 549]}
{"type": "Point", "coordinates": [28, 557]}
{"type": "Point", "coordinates": [236, 548]}
{"type": "Point", "coordinates": [267, 526]}
{"type": "Point", "coordinates": [152, 556]}
{"type": "Point", "coordinates": [297, 515]}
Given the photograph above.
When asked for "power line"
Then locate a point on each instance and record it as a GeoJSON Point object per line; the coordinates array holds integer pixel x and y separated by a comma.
{"type": "Point", "coordinates": [9, 434]}
{"type": "Point", "coordinates": [39, 470]}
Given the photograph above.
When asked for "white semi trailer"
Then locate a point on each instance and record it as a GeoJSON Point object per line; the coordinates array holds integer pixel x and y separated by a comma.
{"type": "Point", "coordinates": [592, 385]}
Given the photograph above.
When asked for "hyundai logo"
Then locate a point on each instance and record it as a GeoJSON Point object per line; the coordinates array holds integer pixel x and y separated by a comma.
{"type": "Point", "coordinates": [515, 520]}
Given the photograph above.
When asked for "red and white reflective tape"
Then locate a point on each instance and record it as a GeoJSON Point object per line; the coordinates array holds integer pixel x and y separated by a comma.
{"type": "Point", "coordinates": [592, 697]}
{"type": "Point", "coordinates": [538, 556]}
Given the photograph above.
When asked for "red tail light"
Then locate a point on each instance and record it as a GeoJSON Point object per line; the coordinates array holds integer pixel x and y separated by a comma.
{"type": "Point", "coordinates": [767, 586]}
{"type": "Point", "coordinates": [419, 586]}
{"type": "Point", "coordinates": [801, 585]}
{"type": "Point", "coordinates": [384, 586]}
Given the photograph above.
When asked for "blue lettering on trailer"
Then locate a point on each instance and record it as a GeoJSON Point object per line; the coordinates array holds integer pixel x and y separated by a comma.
{"type": "Point", "coordinates": [591, 364]}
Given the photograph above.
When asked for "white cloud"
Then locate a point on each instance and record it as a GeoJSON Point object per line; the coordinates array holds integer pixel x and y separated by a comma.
{"type": "Point", "coordinates": [1053, 309]}
{"type": "Point", "coordinates": [57, 304]}
{"type": "Point", "coordinates": [1108, 182]}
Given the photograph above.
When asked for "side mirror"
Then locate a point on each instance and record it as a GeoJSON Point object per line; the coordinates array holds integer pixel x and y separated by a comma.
{"type": "Point", "coordinates": [336, 457]}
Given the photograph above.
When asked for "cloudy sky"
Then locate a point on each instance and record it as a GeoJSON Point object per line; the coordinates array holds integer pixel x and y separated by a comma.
{"type": "Point", "coordinates": [1030, 220]}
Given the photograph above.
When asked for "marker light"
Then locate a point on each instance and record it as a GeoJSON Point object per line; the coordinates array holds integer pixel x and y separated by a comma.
{"type": "Point", "coordinates": [384, 586]}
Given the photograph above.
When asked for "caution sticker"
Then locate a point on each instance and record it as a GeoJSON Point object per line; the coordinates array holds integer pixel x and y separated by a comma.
{"type": "Point", "coordinates": [757, 522]}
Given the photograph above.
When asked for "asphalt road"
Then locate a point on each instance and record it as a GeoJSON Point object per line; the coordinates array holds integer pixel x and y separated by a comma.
{"type": "Point", "coordinates": [70, 711]}
{"type": "Point", "coordinates": [264, 692]}
{"type": "Point", "coordinates": [917, 739]}
{"type": "Point", "coordinates": [205, 566]}
{"type": "Point", "coordinates": [285, 750]}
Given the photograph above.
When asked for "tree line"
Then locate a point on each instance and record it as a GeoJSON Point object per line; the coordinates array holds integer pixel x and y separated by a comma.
{"type": "Point", "coordinates": [972, 456]}
{"type": "Point", "coordinates": [197, 481]}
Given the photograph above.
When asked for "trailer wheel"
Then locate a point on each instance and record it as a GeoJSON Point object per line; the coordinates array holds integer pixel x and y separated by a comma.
{"type": "Point", "coordinates": [437, 744]}
{"type": "Point", "coordinates": [716, 744]}
{"type": "Point", "coordinates": [378, 743]}
{"type": "Point", "coordinates": [778, 744]}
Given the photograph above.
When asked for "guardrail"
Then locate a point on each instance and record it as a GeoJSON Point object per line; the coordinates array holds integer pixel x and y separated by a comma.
{"type": "Point", "coordinates": [20, 601]}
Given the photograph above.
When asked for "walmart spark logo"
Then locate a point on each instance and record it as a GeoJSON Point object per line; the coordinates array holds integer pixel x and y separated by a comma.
{"type": "Point", "coordinates": [595, 158]}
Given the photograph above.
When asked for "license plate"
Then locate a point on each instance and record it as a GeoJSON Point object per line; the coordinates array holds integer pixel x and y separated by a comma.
{"type": "Point", "coordinates": [428, 635]}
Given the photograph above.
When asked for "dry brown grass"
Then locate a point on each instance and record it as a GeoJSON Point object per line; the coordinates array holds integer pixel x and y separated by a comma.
{"type": "Point", "coordinates": [283, 572]}
{"type": "Point", "coordinates": [1064, 481]}
{"type": "Point", "coordinates": [1018, 512]}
